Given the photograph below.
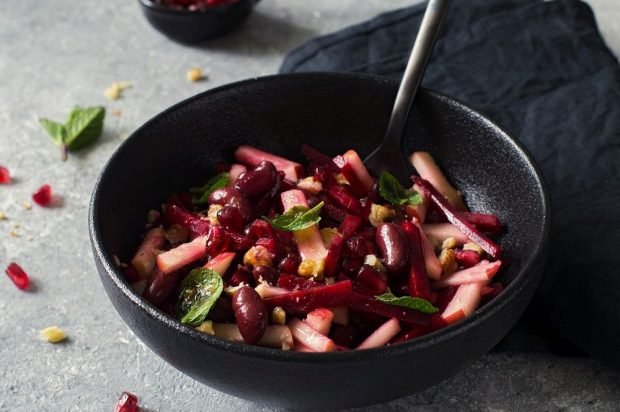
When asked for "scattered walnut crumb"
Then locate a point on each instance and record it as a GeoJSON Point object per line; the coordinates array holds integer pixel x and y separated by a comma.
{"type": "Point", "coordinates": [3, 216]}
{"type": "Point", "coordinates": [27, 205]}
{"type": "Point", "coordinates": [115, 90]}
{"type": "Point", "coordinates": [116, 112]}
{"type": "Point", "coordinates": [53, 334]}
{"type": "Point", "coordinates": [13, 233]}
{"type": "Point", "coordinates": [195, 75]}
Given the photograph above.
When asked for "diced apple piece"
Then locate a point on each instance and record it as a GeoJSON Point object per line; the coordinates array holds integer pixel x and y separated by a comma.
{"type": "Point", "coordinates": [482, 272]}
{"type": "Point", "coordinates": [182, 255]}
{"type": "Point", "coordinates": [221, 262]}
{"type": "Point", "coordinates": [309, 241]}
{"type": "Point", "coordinates": [464, 302]}
{"type": "Point", "coordinates": [382, 335]}
{"type": "Point", "coordinates": [145, 259]}
{"type": "Point", "coordinates": [438, 232]}
{"type": "Point", "coordinates": [266, 291]}
{"type": "Point", "coordinates": [300, 347]}
{"type": "Point", "coordinates": [320, 319]}
{"type": "Point", "coordinates": [277, 336]}
{"type": "Point", "coordinates": [433, 266]}
{"type": "Point", "coordinates": [309, 337]}
{"type": "Point", "coordinates": [252, 156]}
{"type": "Point", "coordinates": [235, 170]}
{"type": "Point", "coordinates": [355, 172]}
{"type": "Point", "coordinates": [426, 167]}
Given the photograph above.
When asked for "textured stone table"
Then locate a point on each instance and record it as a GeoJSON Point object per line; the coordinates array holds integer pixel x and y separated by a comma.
{"type": "Point", "coordinates": [56, 54]}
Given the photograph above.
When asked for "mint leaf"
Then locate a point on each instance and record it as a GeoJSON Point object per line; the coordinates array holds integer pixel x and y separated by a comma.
{"type": "Point", "coordinates": [84, 126]}
{"type": "Point", "coordinates": [56, 130]}
{"type": "Point", "coordinates": [392, 191]}
{"type": "Point", "coordinates": [419, 304]}
{"type": "Point", "coordinates": [201, 194]}
{"type": "Point", "coordinates": [296, 218]}
{"type": "Point", "coordinates": [199, 292]}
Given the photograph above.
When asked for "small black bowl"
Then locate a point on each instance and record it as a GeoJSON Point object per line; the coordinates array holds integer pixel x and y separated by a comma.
{"type": "Point", "coordinates": [333, 112]}
{"type": "Point", "coordinates": [186, 26]}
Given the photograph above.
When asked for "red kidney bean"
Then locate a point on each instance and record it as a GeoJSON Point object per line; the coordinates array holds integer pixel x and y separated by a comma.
{"type": "Point", "coordinates": [258, 181]}
{"type": "Point", "coordinates": [357, 246]}
{"type": "Point", "coordinates": [223, 196]}
{"type": "Point", "coordinates": [240, 276]}
{"type": "Point", "coordinates": [290, 264]}
{"type": "Point", "coordinates": [229, 196]}
{"type": "Point", "coordinates": [266, 273]}
{"type": "Point", "coordinates": [230, 218]}
{"type": "Point", "coordinates": [392, 245]}
{"type": "Point", "coordinates": [159, 285]}
{"type": "Point", "coordinates": [250, 313]}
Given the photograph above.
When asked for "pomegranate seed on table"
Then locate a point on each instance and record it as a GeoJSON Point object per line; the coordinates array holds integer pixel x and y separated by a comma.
{"type": "Point", "coordinates": [5, 176]}
{"type": "Point", "coordinates": [43, 196]}
{"type": "Point", "coordinates": [18, 276]}
{"type": "Point", "coordinates": [127, 402]}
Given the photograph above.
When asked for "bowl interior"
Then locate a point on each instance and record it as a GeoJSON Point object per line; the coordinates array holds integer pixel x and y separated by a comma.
{"type": "Point", "coordinates": [332, 112]}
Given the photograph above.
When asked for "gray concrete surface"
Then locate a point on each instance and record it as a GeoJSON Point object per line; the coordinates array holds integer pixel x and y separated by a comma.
{"type": "Point", "coordinates": [56, 54]}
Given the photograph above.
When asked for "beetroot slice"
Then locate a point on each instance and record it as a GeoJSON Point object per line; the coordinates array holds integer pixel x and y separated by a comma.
{"type": "Point", "coordinates": [175, 214]}
{"type": "Point", "coordinates": [419, 285]}
{"type": "Point", "coordinates": [349, 226]}
{"type": "Point", "coordinates": [333, 256]}
{"type": "Point", "coordinates": [368, 304]}
{"type": "Point", "coordinates": [292, 282]}
{"type": "Point", "coordinates": [315, 156]}
{"type": "Point", "coordinates": [486, 222]}
{"type": "Point", "coordinates": [304, 301]}
{"type": "Point", "coordinates": [454, 217]}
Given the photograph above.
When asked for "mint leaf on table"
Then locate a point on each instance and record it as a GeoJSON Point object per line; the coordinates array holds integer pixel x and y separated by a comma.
{"type": "Point", "coordinates": [200, 195]}
{"type": "Point", "coordinates": [84, 125]}
{"type": "Point", "coordinates": [392, 191]}
{"type": "Point", "coordinates": [199, 292]}
{"type": "Point", "coordinates": [419, 304]}
{"type": "Point", "coordinates": [296, 218]}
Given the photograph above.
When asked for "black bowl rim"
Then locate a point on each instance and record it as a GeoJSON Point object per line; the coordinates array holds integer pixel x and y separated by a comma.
{"type": "Point", "coordinates": [220, 8]}
{"type": "Point", "coordinates": [480, 315]}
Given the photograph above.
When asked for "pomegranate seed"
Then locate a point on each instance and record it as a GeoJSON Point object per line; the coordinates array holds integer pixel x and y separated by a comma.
{"type": "Point", "coordinates": [43, 196]}
{"type": "Point", "coordinates": [5, 176]}
{"type": "Point", "coordinates": [18, 276]}
{"type": "Point", "coordinates": [127, 402]}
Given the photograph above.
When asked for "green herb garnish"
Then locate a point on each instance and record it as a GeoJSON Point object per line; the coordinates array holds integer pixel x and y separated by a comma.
{"type": "Point", "coordinates": [84, 125]}
{"type": "Point", "coordinates": [419, 304]}
{"type": "Point", "coordinates": [392, 191]}
{"type": "Point", "coordinates": [296, 218]}
{"type": "Point", "coordinates": [199, 292]}
{"type": "Point", "coordinates": [201, 194]}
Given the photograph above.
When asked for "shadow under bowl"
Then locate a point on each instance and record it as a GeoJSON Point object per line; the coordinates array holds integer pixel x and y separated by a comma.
{"type": "Point", "coordinates": [189, 27]}
{"type": "Point", "coordinates": [333, 112]}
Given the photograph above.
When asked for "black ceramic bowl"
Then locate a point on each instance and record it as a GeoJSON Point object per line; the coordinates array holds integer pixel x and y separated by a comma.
{"type": "Point", "coordinates": [334, 112]}
{"type": "Point", "coordinates": [189, 27]}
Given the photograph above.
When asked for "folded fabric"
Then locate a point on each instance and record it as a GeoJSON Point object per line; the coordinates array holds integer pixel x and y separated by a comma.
{"type": "Point", "coordinates": [542, 71]}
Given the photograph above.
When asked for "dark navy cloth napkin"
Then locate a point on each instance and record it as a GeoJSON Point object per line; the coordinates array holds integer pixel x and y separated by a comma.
{"type": "Point", "coordinates": [542, 71]}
